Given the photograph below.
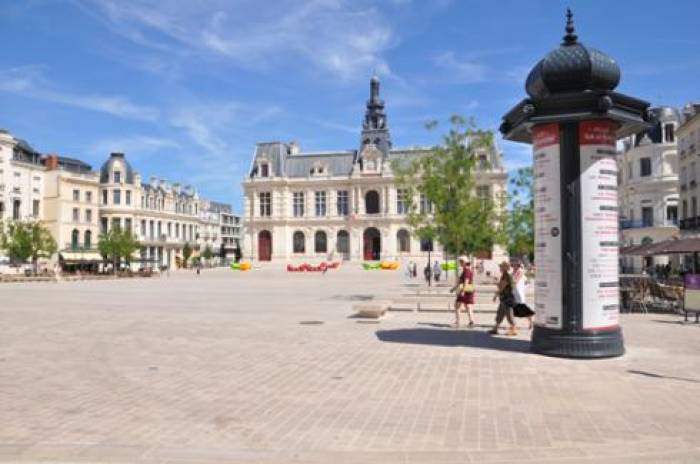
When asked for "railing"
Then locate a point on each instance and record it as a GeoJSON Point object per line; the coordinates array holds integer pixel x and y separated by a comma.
{"type": "Point", "coordinates": [690, 223]}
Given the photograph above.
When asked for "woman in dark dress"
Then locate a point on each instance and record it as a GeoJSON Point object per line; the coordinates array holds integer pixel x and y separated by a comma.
{"type": "Point", "coordinates": [466, 298]}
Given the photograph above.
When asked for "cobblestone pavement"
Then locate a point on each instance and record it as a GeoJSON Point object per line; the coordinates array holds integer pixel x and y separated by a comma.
{"type": "Point", "coordinates": [233, 367]}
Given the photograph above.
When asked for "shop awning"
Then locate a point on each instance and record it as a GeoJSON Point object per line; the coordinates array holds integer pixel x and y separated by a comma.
{"type": "Point", "coordinates": [673, 246]}
{"type": "Point", "coordinates": [81, 257]}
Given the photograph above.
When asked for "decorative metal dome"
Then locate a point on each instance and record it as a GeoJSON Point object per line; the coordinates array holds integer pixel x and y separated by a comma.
{"type": "Point", "coordinates": [109, 164]}
{"type": "Point", "coordinates": [572, 67]}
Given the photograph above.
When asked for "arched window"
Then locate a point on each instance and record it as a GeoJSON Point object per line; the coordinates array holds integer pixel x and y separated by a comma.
{"type": "Point", "coordinates": [74, 239]}
{"type": "Point", "coordinates": [426, 245]}
{"type": "Point", "coordinates": [342, 243]}
{"type": "Point", "coordinates": [299, 242]}
{"type": "Point", "coordinates": [88, 240]}
{"type": "Point", "coordinates": [2, 209]}
{"type": "Point", "coordinates": [403, 241]}
{"type": "Point", "coordinates": [372, 202]}
{"type": "Point", "coordinates": [320, 242]}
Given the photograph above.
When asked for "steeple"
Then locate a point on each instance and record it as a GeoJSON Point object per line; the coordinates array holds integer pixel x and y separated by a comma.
{"type": "Point", "coordinates": [374, 127]}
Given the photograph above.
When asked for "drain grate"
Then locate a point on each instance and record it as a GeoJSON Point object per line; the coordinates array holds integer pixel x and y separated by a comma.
{"type": "Point", "coordinates": [311, 322]}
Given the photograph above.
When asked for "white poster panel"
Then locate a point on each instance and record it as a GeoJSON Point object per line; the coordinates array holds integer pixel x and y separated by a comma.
{"type": "Point", "coordinates": [599, 225]}
{"type": "Point", "coordinates": [548, 277]}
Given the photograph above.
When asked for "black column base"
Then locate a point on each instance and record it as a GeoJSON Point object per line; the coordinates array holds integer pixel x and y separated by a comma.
{"type": "Point", "coordinates": [579, 345]}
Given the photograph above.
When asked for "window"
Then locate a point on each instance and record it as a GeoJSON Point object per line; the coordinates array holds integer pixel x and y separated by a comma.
{"type": "Point", "coordinates": [74, 239]}
{"type": "Point", "coordinates": [116, 223]}
{"type": "Point", "coordinates": [629, 170]}
{"type": "Point", "coordinates": [177, 230]}
{"type": "Point", "coordinates": [128, 197]}
{"type": "Point", "coordinates": [426, 206]}
{"type": "Point", "coordinates": [264, 170]}
{"type": "Point", "coordinates": [644, 167]}
{"type": "Point", "coordinates": [298, 204]}
{"type": "Point", "coordinates": [15, 209]}
{"type": "Point", "coordinates": [35, 208]}
{"type": "Point", "coordinates": [143, 202]}
{"type": "Point", "coordinates": [320, 242]}
{"type": "Point", "coordinates": [685, 209]}
{"type": "Point", "coordinates": [117, 197]}
{"type": "Point", "coordinates": [342, 203]}
{"type": "Point", "coordinates": [647, 216]}
{"type": "Point", "coordinates": [320, 203]}
{"type": "Point", "coordinates": [88, 197]}
{"type": "Point", "coordinates": [143, 228]}
{"type": "Point", "coordinates": [170, 229]}
{"type": "Point", "coordinates": [151, 229]}
{"type": "Point", "coordinates": [299, 244]}
{"type": "Point", "coordinates": [104, 197]}
{"type": "Point", "coordinates": [402, 201]}
{"type": "Point", "coordinates": [103, 225]}
{"type": "Point", "coordinates": [160, 229]}
{"type": "Point", "coordinates": [88, 240]}
{"type": "Point", "coordinates": [694, 207]}
{"type": "Point", "coordinates": [2, 209]}
{"type": "Point", "coordinates": [669, 133]}
{"type": "Point", "coordinates": [483, 162]}
{"type": "Point", "coordinates": [426, 245]}
{"type": "Point", "coordinates": [483, 192]}
{"type": "Point", "coordinates": [117, 177]}
{"type": "Point", "coordinates": [403, 241]}
{"type": "Point", "coordinates": [372, 202]}
{"type": "Point", "coordinates": [672, 214]}
{"type": "Point", "coordinates": [265, 203]}
{"type": "Point", "coordinates": [76, 215]}
{"type": "Point", "coordinates": [88, 215]}
{"type": "Point", "coordinates": [76, 195]}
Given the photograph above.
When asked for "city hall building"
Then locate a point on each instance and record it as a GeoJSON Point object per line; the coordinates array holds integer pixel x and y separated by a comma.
{"type": "Point", "coordinates": [343, 204]}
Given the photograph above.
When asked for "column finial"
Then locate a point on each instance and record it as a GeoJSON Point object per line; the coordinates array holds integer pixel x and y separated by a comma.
{"type": "Point", "coordinates": [570, 38]}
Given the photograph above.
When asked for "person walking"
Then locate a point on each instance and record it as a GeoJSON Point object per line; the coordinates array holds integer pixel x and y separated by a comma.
{"type": "Point", "coordinates": [415, 270]}
{"type": "Point", "coordinates": [427, 273]}
{"type": "Point", "coordinates": [465, 292]}
{"type": "Point", "coordinates": [504, 293]}
{"type": "Point", "coordinates": [437, 271]}
{"type": "Point", "coordinates": [409, 270]}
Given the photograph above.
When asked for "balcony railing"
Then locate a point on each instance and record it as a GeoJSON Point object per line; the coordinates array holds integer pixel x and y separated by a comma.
{"type": "Point", "coordinates": [642, 224]}
{"type": "Point", "coordinates": [690, 223]}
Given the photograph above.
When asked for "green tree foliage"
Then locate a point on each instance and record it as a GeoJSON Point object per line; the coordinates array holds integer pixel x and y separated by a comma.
{"type": "Point", "coordinates": [30, 240]}
{"type": "Point", "coordinates": [461, 221]}
{"type": "Point", "coordinates": [116, 244]}
{"type": "Point", "coordinates": [207, 253]}
{"type": "Point", "coordinates": [186, 253]}
{"type": "Point", "coordinates": [520, 224]}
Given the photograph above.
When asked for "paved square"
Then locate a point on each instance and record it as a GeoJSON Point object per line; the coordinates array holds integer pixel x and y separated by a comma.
{"type": "Point", "coordinates": [233, 367]}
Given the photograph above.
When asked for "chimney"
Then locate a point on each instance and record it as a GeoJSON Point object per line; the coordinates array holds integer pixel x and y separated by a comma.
{"type": "Point", "coordinates": [293, 148]}
{"type": "Point", "coordinates": [52, 162]}
{"type": "Point", "coordinates": [154, 182]}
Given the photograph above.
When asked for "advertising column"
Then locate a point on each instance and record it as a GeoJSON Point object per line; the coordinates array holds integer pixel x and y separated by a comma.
{"type": "Point", "coordinates": [548, 240]}
{"type": "Point", "coordinates": [599, 226]}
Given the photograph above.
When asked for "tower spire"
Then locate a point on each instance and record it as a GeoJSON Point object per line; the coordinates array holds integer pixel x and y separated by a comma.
{"type": "Point", "coordinates": [570, 38]}
{"type": "Point", "coordinates": [374, 126]}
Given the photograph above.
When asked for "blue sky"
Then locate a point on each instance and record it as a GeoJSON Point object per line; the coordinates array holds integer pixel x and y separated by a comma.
{"type": "Point", "coordinates": [186, 88]}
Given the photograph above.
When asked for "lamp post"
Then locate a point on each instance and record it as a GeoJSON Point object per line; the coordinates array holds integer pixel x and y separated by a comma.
{"type": "Point", "coordinates": [573, 119]}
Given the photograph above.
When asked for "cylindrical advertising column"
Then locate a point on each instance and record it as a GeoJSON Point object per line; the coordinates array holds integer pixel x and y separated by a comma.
{"type": "Point", "coordinates": [576, 235]}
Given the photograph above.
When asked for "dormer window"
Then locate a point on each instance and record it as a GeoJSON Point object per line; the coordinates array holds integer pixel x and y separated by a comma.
{"type": "Point", "coordinates": [117, 177]}
{"type": "Point", "coordinates": [264, 170]}
{"type": "Point", "coordinates": [669, 134]}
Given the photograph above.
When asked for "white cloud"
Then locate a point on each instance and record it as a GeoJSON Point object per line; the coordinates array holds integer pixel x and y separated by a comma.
{"type": "Point", "coordinates": [463, 70]}
{"type": "Point", "coordinates": [335, 36]}
{"type": "Point", "coordinates": [28, 81]}
{"type": "Point", "coordinates": [132, 145]}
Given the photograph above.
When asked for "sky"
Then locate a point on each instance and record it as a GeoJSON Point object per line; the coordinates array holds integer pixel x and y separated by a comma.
{"type": "Point", "coordinates": [185, 89]}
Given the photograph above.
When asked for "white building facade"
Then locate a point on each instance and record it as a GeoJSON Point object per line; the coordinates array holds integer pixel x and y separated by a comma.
{"type": "Point", "coordinates": [649, 188]}
{"type": "Point", "coordinates": [688, 135]}
{"type": "Point", "coordinates": [21, 179]}
{"type": "Point", "coordinates": [341, 205]}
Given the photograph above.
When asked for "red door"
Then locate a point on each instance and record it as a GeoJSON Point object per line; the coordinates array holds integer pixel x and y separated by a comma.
{"type": "Point", "coordinates": [264, 246]}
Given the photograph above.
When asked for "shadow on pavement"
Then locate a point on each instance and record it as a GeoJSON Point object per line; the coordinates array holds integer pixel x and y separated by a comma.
{"type": "Point", "coordinates": [678, 322]}
{"type": "Point", "coordinates": [442, 337]}
{"type": "Point", "coordinates": [660, 376]}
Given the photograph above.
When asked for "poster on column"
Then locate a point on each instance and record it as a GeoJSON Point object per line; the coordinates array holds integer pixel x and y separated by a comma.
{"type": "Point", "coordinates": [548, 261]}
{"type": "Point", "coordinates": [599, 225]}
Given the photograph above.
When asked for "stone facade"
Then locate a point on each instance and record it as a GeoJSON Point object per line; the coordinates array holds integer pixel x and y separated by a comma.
{"type": "Point", "coordinates": [688, 135]}
{"type": "Point", "coordinates": [341, 204]}
{"type": "Point", "coordinates": [21, 179]}
{"type": "Point", "coordinates": [649, 193]}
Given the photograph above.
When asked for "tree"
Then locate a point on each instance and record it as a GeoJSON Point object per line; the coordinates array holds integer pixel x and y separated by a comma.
{"type": "Point", "coordinates": [207, 253]}
{"type": "Point", "coordinates": [28, 240]}
{"type": "Point", "coordinates": [186, 253]}
{"type": "Point", "coordinates": [461, 220]}
{"type": "Point", "coordinates": [520, 223]}
{"type": "Point", "coordinates": [116, 244]}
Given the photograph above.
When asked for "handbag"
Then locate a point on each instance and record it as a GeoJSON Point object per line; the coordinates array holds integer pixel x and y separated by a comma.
{"type": "Point", "coordinates": [522, 310]}
{"type": "Point", "coordinates": [467, 287]}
